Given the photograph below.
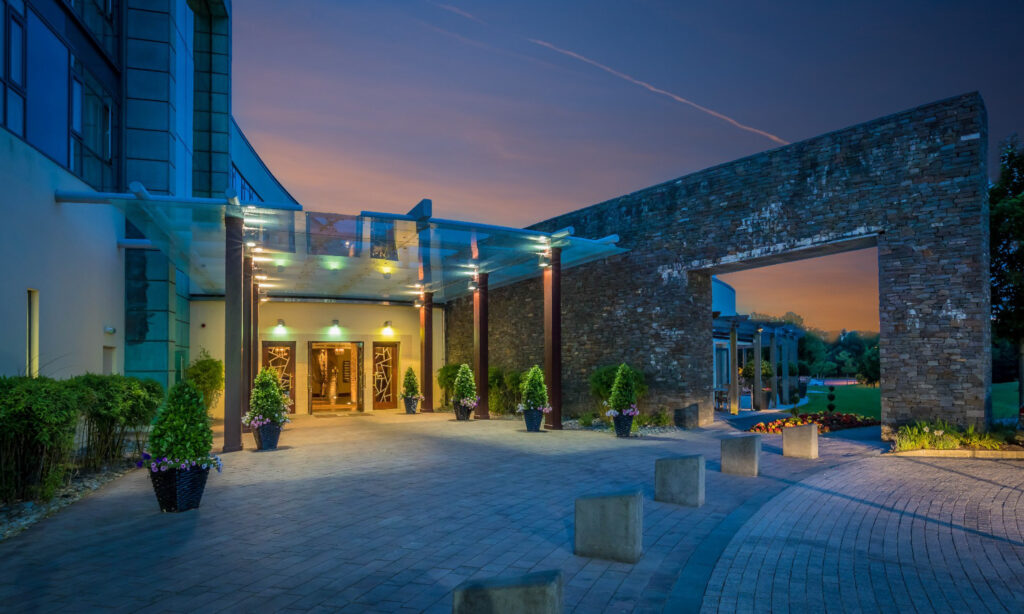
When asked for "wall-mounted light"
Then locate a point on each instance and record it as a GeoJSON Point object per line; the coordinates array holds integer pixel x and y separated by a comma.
{"type": "Point", "coordinates": [110, 330]}
{"type": "Point", "coordinates": [418, 303]}
{"type": "Point", "coordinates": [258, 250]}
{"type": "Point", "coordinates": [545, 259]}
{"type": "Point", "coordinates": [250, 244]}
{"type": "Point", "coordinates": [335, 329]}
{"type": "Point", "coordinates": [473, 286]}
{"type": "Point", "coordinates": [386, 271]}
{"type": "Point", "coordinates": [388, 331]}
{"type": "Point", "coordinates": [259, 276]}
{"type": "Point", "coordinates": [280, 329]}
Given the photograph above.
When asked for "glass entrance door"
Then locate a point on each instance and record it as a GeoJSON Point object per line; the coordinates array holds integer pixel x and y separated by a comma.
{"type": "Point", "coordinates": [334, 382]}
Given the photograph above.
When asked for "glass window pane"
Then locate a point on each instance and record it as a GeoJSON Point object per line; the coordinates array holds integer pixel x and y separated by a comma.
{"type": "Point", "coordinates": [17, 38]}
{"type": "Point", "coordinates": [15, 113]}
{"type": "Point", "coordinates": [76, 105]}
{"type": "Point", "coordinates": [47, 105]}
{"type": "Point", "coordinates": [3, 43]}
{"type": "Point", "coordinates": [18, 5]}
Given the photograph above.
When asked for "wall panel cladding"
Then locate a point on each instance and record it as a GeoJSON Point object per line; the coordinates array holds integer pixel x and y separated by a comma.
{"type": "Point", "coordinates": [914, 182]}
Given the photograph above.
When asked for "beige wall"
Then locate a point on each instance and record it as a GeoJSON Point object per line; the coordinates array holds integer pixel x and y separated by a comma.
{"type": "Point", "coordinates": [69, 254]}
{"type": "Point", "coordinates": [306, 322]}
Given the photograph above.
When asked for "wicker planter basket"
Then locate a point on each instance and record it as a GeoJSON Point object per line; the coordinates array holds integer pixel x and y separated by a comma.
{"type": "Point", "coordinates": [462, 413]}
{"type": "Point", "coordinates": [410, 404]}
{"type": "Point", "coordinates": [179, 490]}
{"type": "Point", "coordinates": [266, 436]}
{"type": "Point", "coordinates": [623, 424]}
{"type": "Point", "coordinates": [533, 418]}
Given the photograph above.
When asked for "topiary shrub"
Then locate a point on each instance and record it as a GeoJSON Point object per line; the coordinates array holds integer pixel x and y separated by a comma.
{"type": "Point", "coordinates": [410, 385]}
{"type": "Point", "coordinates": [624, 393]}
{"type": "Point", "coordinates": [207, 373]}
{"type": "Point", "coordinates": [182, 434]}
{"type": "Point", "coordinates": [464, 397]}
{"type": "Point", "coordinates": [534, 391]}
{"type": "Point", "coordinates": [268, 403]}
{"type": "Point", "coordinates": [603, 378]}
{"type": "Point", "coordinates": [831, 398]}
{"type": "Point", "coordinates": [37, 429]}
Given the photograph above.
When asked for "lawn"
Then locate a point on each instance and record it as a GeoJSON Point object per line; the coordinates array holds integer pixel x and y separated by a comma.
{"type": "Point", "coordinates": [865, 400]}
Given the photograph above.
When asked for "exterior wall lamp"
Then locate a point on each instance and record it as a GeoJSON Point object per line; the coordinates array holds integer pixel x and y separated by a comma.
{"type": "Point", "coordinates": [545, 259]}
{"type": "Point", "coordinates": [473, 287]}
{"type": "Point", "coordinates": [335, 329]}
{"type": "Point", "coordinates": [388, 331]}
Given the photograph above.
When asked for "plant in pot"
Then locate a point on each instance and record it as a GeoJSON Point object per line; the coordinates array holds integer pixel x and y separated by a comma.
{"type": "Point", "coordinates": [535, 399]}
{"type": "Point", "coordinates": [464, 397]}
{"type": "Point", "coordinates": [268, 410]}
{"type": "Point", "coordinates": [178, 458]}
{"type": "Point", "coordinates": [411, 391]}
{"type": "Point", "coordinates": [622, 402]}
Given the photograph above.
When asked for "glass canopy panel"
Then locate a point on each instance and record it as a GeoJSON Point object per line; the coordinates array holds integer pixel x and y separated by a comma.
{"type": "Point", "coordinates": [331, 255]}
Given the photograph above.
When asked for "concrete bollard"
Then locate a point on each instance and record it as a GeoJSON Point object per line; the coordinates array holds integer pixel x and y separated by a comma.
{"type": "Point", "coordinates": [610, 527]}
{"type": "Point", "coordinates": [800, 441]}
{"type": "Point", "coordinates": [539, 592]}
{"type": "Point", "coordinates": [741, 455]}
{"type": "Point", "coordinates": [694, 416]}
{"type": "Point", "coordinates": [680, 480]}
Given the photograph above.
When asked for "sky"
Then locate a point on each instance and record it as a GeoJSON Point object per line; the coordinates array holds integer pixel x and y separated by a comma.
{"type": "Point", "coordinates": [513, 112]}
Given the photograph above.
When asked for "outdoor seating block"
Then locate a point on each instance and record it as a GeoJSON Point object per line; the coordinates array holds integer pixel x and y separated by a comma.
{"type": "Point", "coordinates": [680, 480]}
{"type": "Point", "coordinates": [694, 416]}
{"type": "Point", "coordinates": [800, 441]}
{"type": "Point", "coordinates": [610, 527]}
{"type": "Point", "coordinates": [539, 592]}
{"type": "Point", "coordinates": [741, 455]}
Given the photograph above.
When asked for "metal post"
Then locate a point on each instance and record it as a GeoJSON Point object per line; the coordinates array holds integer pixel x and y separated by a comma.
{"type": "Point", "coordinates": [734, 372]}
{"type": "Point", "coordinates": [427, 352]}
{"type": "Point", "coordinates": [233, 250]}
{"type": "Point", "coordinates": [553, 337]}
{"type": "Point", "coordinates": [757, 392]}
{"type": "Point", "coordinates": [247, 351]}
{"type": "Point", "coordinates": [257, 348]}
{"type": "Point", "coordinates": [480, 363]}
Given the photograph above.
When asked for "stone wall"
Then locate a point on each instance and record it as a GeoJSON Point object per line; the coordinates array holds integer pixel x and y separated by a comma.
{"type": "Point", "coordinates": [913, 183]}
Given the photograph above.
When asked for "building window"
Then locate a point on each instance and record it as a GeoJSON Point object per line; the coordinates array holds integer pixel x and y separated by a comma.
{"type": "Point", "coordinates": [91, 129]}
{"type": "Point", "coordinates": [12, 69]}
{"type": "Point", "coordinates": [246, 193]}
{"type": "Point", "coordinates": [98, 17]}
{"type": "Point", "coordinates": [32, 335]}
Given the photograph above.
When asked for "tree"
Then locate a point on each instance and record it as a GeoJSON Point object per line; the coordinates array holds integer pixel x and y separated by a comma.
{"type": "Point", "coordinates": [870, 367]}
{"type": "Point", "coordinates": [1006, 223]}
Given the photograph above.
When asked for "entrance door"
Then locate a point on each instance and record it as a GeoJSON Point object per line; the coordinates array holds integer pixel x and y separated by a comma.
{"type": "Point", "coordinates": [280, 356]}
{"type": "Point", "coordinates": [385, 379]}
{"type": "Point", "coordinates": [334, 383]}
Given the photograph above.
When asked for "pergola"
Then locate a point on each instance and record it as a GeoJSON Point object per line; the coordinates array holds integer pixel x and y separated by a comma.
{"type": "Point", "coordinates": [250, 252]}
{"type": "Point", "coordinates": [781, 340]}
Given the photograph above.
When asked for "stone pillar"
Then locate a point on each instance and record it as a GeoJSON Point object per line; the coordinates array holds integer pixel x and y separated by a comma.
{"type": "Point", "coordinates": [787, 356]}
{"type": "Point", "coordinates": [756, 391]}
{"type": "Point", "coordinates": [427, 352]}
{"type": "Point", "coordinates": [233, 249]}
{"type": "Point", "coordinates": [734, 372]}
{"type": "Point", "coordinates": [773, 354]}
{"type": "Point", "coordinates": [553, 338]}
{"type": "Point", "coordinates": [480, 363]}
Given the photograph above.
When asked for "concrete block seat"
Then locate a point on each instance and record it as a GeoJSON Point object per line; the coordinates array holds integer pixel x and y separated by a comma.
{"type": "Point", "coordinates": [680, 480]}
{"type": "Point", "coordinates": [741, 455]}
{"type": "Point", "coordinates": [610, 527]}
{"type": "Point", "coordinates": [539, 593]}
{"type": "Point", "coordinates": [800, 441]}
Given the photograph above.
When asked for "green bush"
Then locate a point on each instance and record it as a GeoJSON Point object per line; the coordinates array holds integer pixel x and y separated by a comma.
{"type": "Point", "coordinates": [603, 378]}
{"type": "Point", "coordinates": [748, 370]}
{"type": "Point", "coordinates": [587, 419]}
{"type": "Point", "coordinates": [464, 390]}
{"type": "Point", "coordinates": [114, 407]}
{"type": "Point", "coordinates": [624, 393]}
{"type": "Point", "coordinates": [207, 373]}
{"type": "Point", "coordinates": [181, 431]}
{"type": "Point", "coordinates": [268, 403]}
{"type": "Point", "coordinates": [446, 380]}
{"type": "Point", "coordinates": [942, 435]}
{"type": "Point", "coordinates": [533, 390]}
{"type": "Point", "coordinates": [503, 395]}
{"type": "Point", "coordinates": [37, 429]}
{"type": "Point", "coordinates": [660, 418]}
{"type": "Point", "coordinates": [410, 385]}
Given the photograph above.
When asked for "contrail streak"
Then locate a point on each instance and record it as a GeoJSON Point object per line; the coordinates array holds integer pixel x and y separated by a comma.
{"type": "Point", "coordinates": [657, 90]}
{"type": "Point", "coordinates": [459, 12]}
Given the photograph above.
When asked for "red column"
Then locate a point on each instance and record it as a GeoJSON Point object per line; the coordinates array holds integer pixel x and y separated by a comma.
{"type": "Point", "coordinates": [247, 342]}
{"type": "Point", "coordinates": [480, 345]}
{"type": "Point", "coordinates": [427, 352]}
{"type": "Point", "coordinates": [553, 337]}
{"type": "Point", "coordinates": [233, 250]}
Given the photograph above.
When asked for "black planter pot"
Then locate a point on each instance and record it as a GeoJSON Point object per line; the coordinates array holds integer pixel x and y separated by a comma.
{"type": "Point", "coordinates": [179, 490]}
{"type": "Point", "coordinates": [462, 413]}
{"type": "Point", "coordinates": [623, 424]}
{"type": "Point", "coordinates": [266, 436]}
{"type": "Point", "coordinates": [533, 418]}
{"type": "Point", "coordinates": [410, 404]}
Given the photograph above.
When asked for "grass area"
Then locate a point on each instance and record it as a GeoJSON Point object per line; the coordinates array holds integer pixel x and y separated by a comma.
{"type": "Point", "coordinates": [866, 400]}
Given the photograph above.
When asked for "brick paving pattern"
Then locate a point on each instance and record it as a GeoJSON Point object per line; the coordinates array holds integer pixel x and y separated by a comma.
{"type": "Point", "coordinates": [387, 513]}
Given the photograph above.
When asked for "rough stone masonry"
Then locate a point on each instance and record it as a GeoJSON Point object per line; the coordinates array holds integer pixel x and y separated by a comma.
{"type": "Point", "coordinates": [914, 184]}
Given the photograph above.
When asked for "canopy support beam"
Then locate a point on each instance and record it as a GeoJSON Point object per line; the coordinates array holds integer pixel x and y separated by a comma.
{"type": "Point", "coordinates": [480, 363]}
{"type": "Point", "coordinates": [553, 337]}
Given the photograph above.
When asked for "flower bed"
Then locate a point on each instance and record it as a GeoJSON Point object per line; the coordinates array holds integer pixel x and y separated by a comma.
{"type": "Point", "coordinates": [827, 422]}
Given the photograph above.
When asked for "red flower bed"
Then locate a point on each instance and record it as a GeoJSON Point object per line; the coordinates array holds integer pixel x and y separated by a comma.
{"type": "Point", "coordinates": [826, 423]}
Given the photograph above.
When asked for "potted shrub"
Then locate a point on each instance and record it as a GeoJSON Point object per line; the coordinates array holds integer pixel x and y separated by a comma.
{"type": "Point", "coordinates": [411, 391]}
{"type": "Point", "coordinates": [268, 410]}
{"type": "Point", "coordinates": [535, 399]}
{"type": "Point", "coordinates": [622, 402]}
{"type": "Point", "coordinates": [464, 397]}
{"type": "Point", "coordinates": [179, 458]}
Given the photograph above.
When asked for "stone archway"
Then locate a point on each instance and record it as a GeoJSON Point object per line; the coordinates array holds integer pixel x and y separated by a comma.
{"type": "Point", "coordinates": [913, 183]}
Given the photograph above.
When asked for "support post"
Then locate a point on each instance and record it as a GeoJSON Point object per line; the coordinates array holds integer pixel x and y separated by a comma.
{"type": "Point", "coordinates": [247, 342]}
{"type": "Point", "coordinates": [257, 348]}
{"type": "Point", "coordinates": [427, 352]}
{"type": "Point", "coordinates": [480, 364]}
{"type": "Point", "coordinates": [734, 372]}
{"type": "Point", "coordinates": [758, 390]}
{"type": "Point", "coordinates": [233, 250]}
{"type": "Point", "coordinates": [553, 338]}
{"type": "Point", "coordinates": [787, 355]}
{"type": "Point", "coordinates": [773, 356]}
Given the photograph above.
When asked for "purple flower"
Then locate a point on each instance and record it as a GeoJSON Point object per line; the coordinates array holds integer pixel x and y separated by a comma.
{"type": "Point", "coordinates": [138, 464]}
{"type": "Point", "coordinates": [146, 456]}
{"type": "Point", "coordinates": [163, 467]}
{"type": "Point", "coordinates": [164, 460]}
{"type": "Point", "coordinates": [154, 468]}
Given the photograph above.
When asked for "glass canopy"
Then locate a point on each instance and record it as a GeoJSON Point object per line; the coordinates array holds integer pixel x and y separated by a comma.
{"type": "Point", "coordinates": [370, 256]}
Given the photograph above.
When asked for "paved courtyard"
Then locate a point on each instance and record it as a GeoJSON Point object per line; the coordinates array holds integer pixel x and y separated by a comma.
{"type": "Point", "coordinates": [387, 513]}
